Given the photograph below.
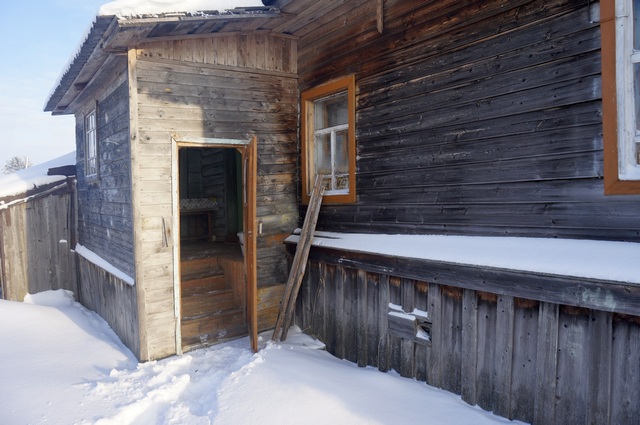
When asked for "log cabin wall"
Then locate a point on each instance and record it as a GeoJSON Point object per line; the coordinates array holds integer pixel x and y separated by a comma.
{"type": "Point", "coordinates": [524, 354]}
{"type": "Point", "coordinates": [479, 118]}
{"type": "Point", "coordinates": [105, 217]}
{"type": "Point", "coordinates": [218, 87]}
{"type": "Point", "coordinates": [104, 203]}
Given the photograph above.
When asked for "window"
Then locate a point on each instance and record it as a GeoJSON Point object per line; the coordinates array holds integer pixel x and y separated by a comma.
{"type": "Point", "coordinates": [328, 145]}
{"type": "Point", "coordinates": [620, 42]}
{"type": "Point", "coordinates": [90, 145]}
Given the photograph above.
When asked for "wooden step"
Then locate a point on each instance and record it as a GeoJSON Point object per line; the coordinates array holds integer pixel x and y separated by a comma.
{"type": "Point", "coordinates": [202, 284]}
{"type": "Point", "coordinates": [212, 329]}
{"type": "Point", "coordinates": [198, 267]}
{"type": "Point", "coordinates": [207, 303]}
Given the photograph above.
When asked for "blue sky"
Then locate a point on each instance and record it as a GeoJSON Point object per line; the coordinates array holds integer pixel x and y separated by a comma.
{"type": "Point", "coordinates": [38, 38]}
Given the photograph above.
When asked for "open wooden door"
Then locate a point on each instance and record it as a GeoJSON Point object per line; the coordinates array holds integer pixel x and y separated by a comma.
{"type": "Point", "coordinates": [215, 300]}
{"type": "Point", "coordinates": [249, 176]}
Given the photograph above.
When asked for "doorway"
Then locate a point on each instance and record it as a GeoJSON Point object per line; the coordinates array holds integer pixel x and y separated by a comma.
{"type": "Point", "coordinates": [215, 205]}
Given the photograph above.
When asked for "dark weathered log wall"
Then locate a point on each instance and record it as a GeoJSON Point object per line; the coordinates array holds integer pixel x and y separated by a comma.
{"type": "Point", "coordinates": [105, 213]}
{"type": "Point", "coordinates": [541, 362]}
{"type": "Point", "coordinates": [473, 118]}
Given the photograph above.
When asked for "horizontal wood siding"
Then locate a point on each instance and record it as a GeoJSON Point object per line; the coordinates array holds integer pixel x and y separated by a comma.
{"type": "Point", "coordinates": [214, 88]}
{"type": "Point", "coordinates": [104, 214]}
{"type": "Point", "coordinates": [114, 300]}
{"type": "Point", "coordinates": [473, 118]}
{"type": "Point", "coordinates": [35, 244]}
{"type": "Point", "coordinates": [537, 361]}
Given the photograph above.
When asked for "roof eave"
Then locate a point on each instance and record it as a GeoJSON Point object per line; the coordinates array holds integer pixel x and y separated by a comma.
{"type": "Point", "coordinates": [68, 83]}
{"type": "Point", "coordinates": [112, 35]}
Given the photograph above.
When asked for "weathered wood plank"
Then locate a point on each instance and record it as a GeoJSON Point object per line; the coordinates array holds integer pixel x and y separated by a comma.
{"type": "Point", "coordinates": [625, 363]}
{"type": "Point", "coordinates": [547, 364]}
{"type": "Point", "coordinates": [525, 349]}
{"type": "Point", "coordinates": [468, 372]}
{"type": "Point", "coordinates": [361, 332]}
{"type": "Point", "coordinates": [504, 355]}
{"type": "Point", "coordinates": [407, 346]}
{"type": "Point", "coordinates": [435, 353]}
{"type": "Point", "coordinates": [486, 349]}
{"type": "Point", "coordinates": [350, 314]}
{"type": "Point", "coordinates": [421, 303]}
{"type": "Point", "coordinates": [375, 333]}
{"type": "Point", "coordinates": [571, 391]}
{"type": "Point", "coordinates": [600, 353]}
{"type": "Point", "coordinates": [384, 348]}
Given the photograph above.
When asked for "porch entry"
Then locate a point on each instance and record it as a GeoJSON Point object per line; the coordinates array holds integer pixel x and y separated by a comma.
{"type": "Point", "coordinates": [214, 205]}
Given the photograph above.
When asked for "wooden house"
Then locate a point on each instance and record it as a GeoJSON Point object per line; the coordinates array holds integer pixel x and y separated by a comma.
{"type": "Point", "coordinates": [484, 118]}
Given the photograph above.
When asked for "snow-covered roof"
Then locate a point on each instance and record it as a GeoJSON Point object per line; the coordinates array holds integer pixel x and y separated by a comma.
{"type": "Point", "coordinates": [130, 8]}
{"type": "Point", "coordinates": [124, 23]}
{"type": "Point", "coordinates": [30, 179]}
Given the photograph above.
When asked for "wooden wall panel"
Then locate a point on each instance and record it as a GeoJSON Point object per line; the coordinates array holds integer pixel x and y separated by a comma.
{"type": "Point", "coordinates": [476, 118]}
{"type": "Point", "coordinates": [219, 87]}
{"type": "Point", "coordinates": [35, 244]}
{"type": "Point", "coordinates": [539, 362]}
{"type": "Point", "coordinates": [104, 204]}
{"type": "Point", "coordinates": [114, 300]}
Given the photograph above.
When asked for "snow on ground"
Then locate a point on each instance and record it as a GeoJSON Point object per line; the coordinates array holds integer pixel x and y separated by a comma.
{"type": "Point", "coordinates": [62, 364]}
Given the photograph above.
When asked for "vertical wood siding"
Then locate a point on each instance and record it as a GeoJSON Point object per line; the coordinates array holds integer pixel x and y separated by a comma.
{"type": "Point", "coordinates": [535, 361]}
{"type": "Point", "coordinates": [35, 238]}
{"type": "Point", "coordinates": [473, 118]}
{"type": "Point", "coordinates": [114, 300]}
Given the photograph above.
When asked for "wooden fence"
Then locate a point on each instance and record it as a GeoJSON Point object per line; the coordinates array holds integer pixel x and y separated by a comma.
{"type": "Point", "coordinates": [36, 242]}
{"type": "Point", "coordinates": [534, 358]}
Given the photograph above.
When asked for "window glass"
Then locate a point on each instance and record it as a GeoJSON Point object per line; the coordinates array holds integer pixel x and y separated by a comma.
{"type": "Point", "coordinates": [331, 152]}
{"type": "Point", "coordinates": [91, 158]}
{"type": "Point", "coordinates": [328, 145]}
{"type": "Point", "coordinates": [636, 24]}
{"type": "Point", "coordinates": [331, 111]}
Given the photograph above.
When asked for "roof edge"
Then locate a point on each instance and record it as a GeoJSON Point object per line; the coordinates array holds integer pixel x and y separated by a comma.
{"type": "Point", "coordinates": [96, 33]}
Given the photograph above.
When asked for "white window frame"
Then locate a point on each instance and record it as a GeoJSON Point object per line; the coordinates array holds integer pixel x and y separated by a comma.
{"type": "Point", "coordinates": [91, 144]}
{"type": "Point", "coordinates": [626, 57]}
{"type": "Point", "coordinates": [332, 131]}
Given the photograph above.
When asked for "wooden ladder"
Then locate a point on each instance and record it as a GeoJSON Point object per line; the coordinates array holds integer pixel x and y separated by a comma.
{"type": "Point", "coordinates": [299, 262]}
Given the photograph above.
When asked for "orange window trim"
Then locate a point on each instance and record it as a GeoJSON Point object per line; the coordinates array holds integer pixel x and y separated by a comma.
{"type": "Point", "coordinates": [306, 133]}
{"type": "Point", "coordinates": [612, 183]}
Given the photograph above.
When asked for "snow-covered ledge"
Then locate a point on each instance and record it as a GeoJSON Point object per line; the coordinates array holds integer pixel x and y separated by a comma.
{"type": "Point", "coordinates": [94, 258]}
{"type": "Point", "coordinates": [601, 260]}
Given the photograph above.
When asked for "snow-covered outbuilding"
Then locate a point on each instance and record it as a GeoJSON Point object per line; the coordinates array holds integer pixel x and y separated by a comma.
{"type": "Point", "coordinates": [36, 229]}
{"type": "Point", "coordinates": [200, 134]}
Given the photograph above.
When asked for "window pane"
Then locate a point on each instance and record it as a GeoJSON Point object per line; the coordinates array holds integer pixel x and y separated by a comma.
{"type": "Point", "coordinates": [636, 89]}
{"type": "Point", "coordinates": [91, 163]}
{"type": "Point", "coordinates": [636, 24]}
{"type": "Point", "coordinates": [323, 154]}
{"type": "Point", "coordinates": [342, 160]}
{"type": "Point", "coordinates": [331, 111]}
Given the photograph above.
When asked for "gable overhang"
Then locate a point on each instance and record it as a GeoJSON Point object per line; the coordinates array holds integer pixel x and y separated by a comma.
{"type": "Point", "coordinates": [110, 37]}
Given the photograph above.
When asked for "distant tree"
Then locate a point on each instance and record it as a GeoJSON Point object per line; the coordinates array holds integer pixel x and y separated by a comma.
{"type": "Point", "coordinates": [16, 163]}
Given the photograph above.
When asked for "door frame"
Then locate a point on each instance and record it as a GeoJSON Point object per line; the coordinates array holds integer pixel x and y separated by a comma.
{"type": "Point", "coordinates": [248, 149]}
